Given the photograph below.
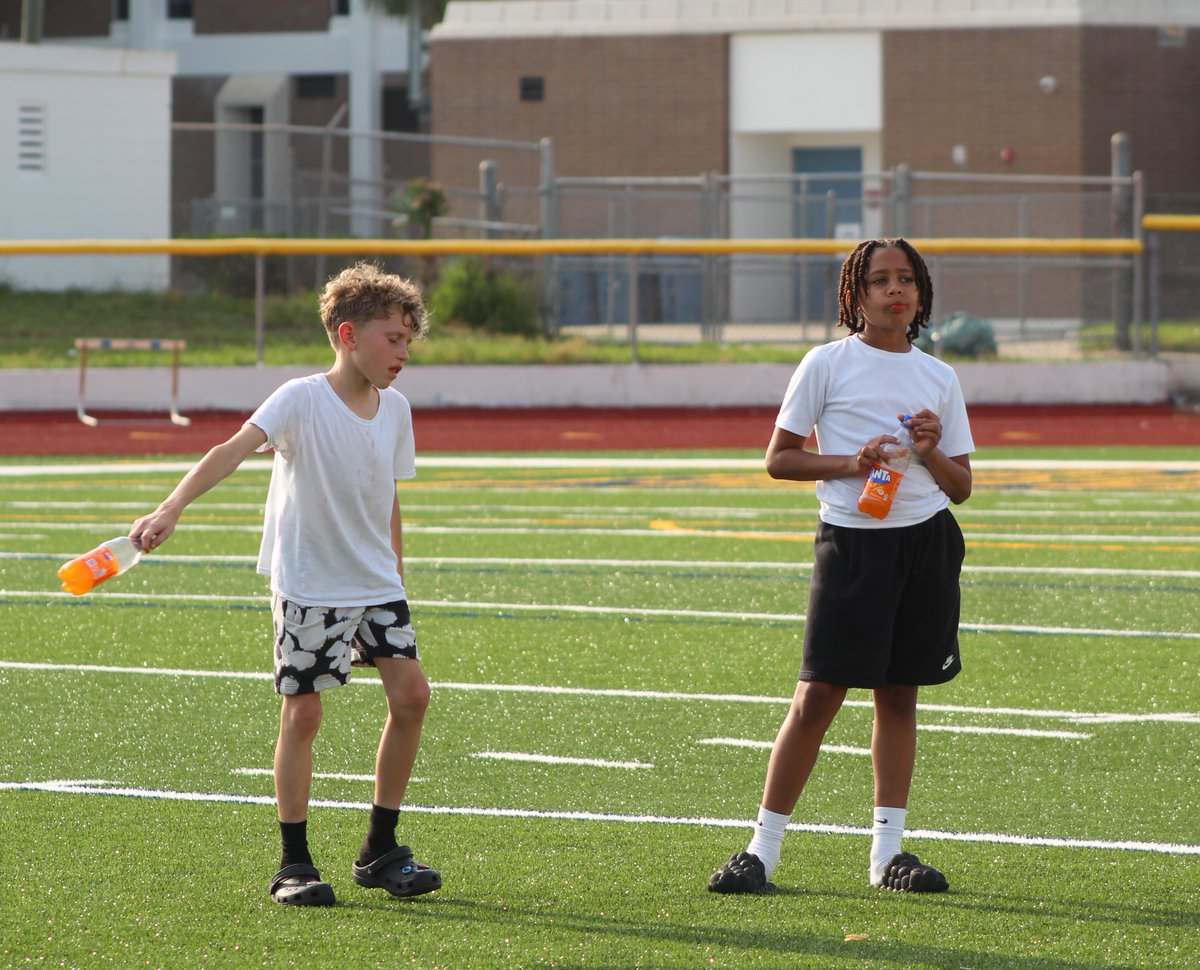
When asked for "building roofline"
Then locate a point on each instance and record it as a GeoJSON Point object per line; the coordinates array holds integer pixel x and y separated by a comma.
{"type": "Point", "coordinates": [474, 19]}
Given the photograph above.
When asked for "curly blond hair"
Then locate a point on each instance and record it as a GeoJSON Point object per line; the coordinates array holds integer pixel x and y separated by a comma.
{"type": "Point", "coordinates": [364, 292]}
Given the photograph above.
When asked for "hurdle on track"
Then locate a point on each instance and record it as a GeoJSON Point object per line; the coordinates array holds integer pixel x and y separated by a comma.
{"type": "Point", "coordinates": [84, 344]}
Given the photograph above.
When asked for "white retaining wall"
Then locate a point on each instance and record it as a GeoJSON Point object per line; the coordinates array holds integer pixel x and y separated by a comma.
{"type": "Point", "coordinates": [587, 385]}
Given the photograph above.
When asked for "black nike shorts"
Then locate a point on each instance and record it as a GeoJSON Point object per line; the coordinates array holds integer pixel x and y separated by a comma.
{"type": "Point", "coordinates": [883, 605]}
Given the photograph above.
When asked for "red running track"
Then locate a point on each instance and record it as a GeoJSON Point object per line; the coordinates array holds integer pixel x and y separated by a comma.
{"type": "Point", "coordinates": [593, 429]}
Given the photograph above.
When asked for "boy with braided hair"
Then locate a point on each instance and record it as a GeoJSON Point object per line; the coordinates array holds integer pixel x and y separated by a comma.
{"type": "Point", "coordinates": [884, 598]}
{"type": "Point", "coordinates": [332, 547]}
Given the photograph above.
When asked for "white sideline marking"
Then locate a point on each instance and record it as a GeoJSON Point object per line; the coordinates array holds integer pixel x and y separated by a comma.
{"type": "Point", "coordinates": [614, 611]}
{"type": "Point", "coordinates": [69, 787]}
{"type": "Point", "coordinates": [329, 774]}
{"type": "Point", "coordinates": [1016, 732]}
{"type": "Point", "coordinates": [945, 728]}
{"type": "Point", "coordinates": [748, 743]}
{"type": "Point", "coordinates": [669, 530]}
{"type": "Point", "coordinates": [633, 511]}
{"type": "Point", "coordinates": [677, 564]}
{"type": "Point", "coordinates": [551, 689]}
{"type": "Point", "coordinates": [598, 462]}
{"type": "Point", "coordinates": [549, 759]}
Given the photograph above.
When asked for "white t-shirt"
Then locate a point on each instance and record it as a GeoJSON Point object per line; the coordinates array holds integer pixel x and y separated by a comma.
{"type": "Point", "coordinates": [850, 392]}
{"type": "Point", "coordinates": [327, 526]}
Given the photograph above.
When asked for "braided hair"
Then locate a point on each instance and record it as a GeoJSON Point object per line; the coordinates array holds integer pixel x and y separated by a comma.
{"type": "Point", "coordinates": [853, 281]}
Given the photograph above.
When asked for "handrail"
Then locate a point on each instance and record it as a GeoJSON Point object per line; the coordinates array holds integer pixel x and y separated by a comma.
{"type": "Point", "coordinates": [1171, 223]}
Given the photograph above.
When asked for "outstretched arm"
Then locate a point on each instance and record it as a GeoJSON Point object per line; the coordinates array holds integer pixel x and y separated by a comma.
{"type": "Point", "coordinates": [151, 531]}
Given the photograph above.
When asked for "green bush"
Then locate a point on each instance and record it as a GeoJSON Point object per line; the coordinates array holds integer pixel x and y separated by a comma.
{"type": "Point", "coordinates": [481, 297]}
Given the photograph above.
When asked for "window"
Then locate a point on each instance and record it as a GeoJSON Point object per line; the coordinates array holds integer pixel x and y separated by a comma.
{"type": "Point", "coordinates": [120, 9]}
{"type": "Point", "coordinates": [341, 8]}
{"type": "Point", "coordinates": [533, 88]}
{"type": "Point", "coordinates": [1172, 35]}
{"type": "Point", "coordinates": [31, 137]}
{"type": "Point", "coordinates": [316, 86]}
{"type": "Point", "coordinates": [179, 9]}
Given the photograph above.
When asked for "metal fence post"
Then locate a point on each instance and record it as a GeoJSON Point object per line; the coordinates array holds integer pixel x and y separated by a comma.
{"type": "Point", "coordinates": [631, 265]}
{"type": "Point", "coordinates": [489, 204]}
{"type": "Point", "coordinates": [901, 199]}
{"type": "Point", "coordinates": [1122, 297]}
{"type": "Point", "coordinates": [260, 324]}
{"type": "Point", "coordinates": [1152, 309]}
{"type": "Point", "coordinates": [548, 217]}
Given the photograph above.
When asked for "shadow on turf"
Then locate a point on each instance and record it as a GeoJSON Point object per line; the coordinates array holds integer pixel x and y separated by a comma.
{"type": "Point", "coordinates": [794, 942]}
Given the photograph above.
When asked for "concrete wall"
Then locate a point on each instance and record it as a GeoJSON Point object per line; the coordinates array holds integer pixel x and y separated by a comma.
{"type": "Point", "coordinates": [696, 385]}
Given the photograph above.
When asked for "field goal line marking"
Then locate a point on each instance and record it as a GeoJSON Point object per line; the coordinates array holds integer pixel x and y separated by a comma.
{"type": "Point", "coordinates": [93, 787]}
{"type": "Point", "coordinates": [1082, 717]}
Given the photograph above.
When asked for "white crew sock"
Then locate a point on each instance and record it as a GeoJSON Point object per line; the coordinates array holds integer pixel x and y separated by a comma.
{"type": "Point", "coordinates": [887, 828]}
{"type": "Point", "coordinates": [768, 838]}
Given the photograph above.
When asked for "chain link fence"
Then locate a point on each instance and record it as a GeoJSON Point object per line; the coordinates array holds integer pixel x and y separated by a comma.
{"type": "Point", "coordinates": [301, 182]}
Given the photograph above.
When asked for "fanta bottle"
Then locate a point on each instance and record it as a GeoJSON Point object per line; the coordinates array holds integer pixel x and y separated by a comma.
{"type": "Point", "coordinates": [885, 477]}
{"type": "Point", "coordinates": [105, 561]}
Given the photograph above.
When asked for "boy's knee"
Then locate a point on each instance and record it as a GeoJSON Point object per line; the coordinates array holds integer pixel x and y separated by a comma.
{"type": "Point", "coordinates": [300, 716]}
{"type": "Point", "coordinates": [409, 699]}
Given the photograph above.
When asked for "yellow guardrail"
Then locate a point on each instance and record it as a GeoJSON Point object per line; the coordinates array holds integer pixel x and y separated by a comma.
{"type": "Point", "coordinates": [550, 247]}
{"type": "Point", "coordinates": [1167, 223]}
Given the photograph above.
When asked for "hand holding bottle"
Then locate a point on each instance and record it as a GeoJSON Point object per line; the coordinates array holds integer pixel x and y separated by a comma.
{"type": "Point", "coordinates": [887, 470]}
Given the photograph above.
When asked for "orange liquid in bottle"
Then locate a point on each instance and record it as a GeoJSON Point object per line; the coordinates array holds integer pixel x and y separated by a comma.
{"type": "Point", "coordinates": [880, 488]}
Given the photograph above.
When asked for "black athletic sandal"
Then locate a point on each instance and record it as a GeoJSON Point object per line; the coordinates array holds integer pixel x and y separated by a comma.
{"type": "Point", "coordinates": [742, 873]}
{"type": "Point", "coordinates": [301, 885]}
{"type": "Point", "coordinates": [399, 873]}
{"type": "Point", "coordinates": [905, 873]}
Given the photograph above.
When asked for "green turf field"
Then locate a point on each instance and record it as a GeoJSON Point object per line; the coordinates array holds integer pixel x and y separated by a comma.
{"type": "Point", "coordinates": [611, 643]}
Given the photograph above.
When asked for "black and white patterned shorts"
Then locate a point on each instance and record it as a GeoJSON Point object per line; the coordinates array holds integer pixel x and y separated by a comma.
{"type": "Point", "coordinates": [313, 643]}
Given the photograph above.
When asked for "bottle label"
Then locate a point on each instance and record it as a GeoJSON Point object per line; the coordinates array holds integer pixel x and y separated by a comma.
{"type": "Point", "coordinates": [878, 490]}
{"type": "Point", "coordinates": [102, 564]}
{"type": "Point", "coordinates": [880, 477]}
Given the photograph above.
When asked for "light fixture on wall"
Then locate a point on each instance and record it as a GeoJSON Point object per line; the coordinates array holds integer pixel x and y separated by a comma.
{"type": "Point", "coordinates": [1048, 84]}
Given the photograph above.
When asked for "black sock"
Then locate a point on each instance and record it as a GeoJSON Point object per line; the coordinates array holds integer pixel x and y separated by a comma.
{"type": "Point", "coordinates": [295, 843]}
{"type": "Point", "coordinates": [381, 834]}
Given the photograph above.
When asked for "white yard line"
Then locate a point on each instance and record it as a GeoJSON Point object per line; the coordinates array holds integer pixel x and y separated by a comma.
{"type": "Point", "coordinates": [585, 462]}
{"type": "Point", "coordinates": [664, 564]}
{"type": "Point", "coordinates": [549, 759]}
{"type": "Point", "coordinates": [617, 692]}
{"type": "Point", "coordinates": [488, 606]}
{"type": "Point", "coordinates": [93, 787]}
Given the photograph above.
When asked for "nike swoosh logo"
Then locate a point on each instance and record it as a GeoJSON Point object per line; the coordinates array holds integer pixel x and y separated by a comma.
{"type": "Point", "coordinates": [949, 661]}
{"type": "Point", "coordinates": [881, 821]}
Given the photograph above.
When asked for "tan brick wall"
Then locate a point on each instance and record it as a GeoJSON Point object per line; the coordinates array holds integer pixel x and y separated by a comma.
{"type": "Point", "coordinates": [979, 89]}
{"type": "Point", "coordinates": [643, 106]}
{"type": "Point", "coordinates": [1149, 91]}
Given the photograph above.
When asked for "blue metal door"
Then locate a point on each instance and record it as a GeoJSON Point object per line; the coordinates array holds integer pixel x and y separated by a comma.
{"type": "Point", "coordinates": [821, 206]}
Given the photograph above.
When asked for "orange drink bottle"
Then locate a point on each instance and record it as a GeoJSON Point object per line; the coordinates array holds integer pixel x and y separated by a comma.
{"type": "Point", "coordinates": [105, 561]}
{"type": "Point", "coordinates": [885, 477]}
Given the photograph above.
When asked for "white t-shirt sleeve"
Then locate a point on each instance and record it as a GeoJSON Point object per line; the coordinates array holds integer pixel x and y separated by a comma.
{"type": "Point", "coordinates": [805, 397]}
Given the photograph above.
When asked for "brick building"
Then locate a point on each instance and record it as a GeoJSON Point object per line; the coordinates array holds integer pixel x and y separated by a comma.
{"type": "Point", "coordinates": [994, 91]}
